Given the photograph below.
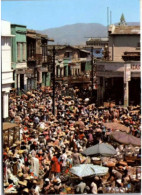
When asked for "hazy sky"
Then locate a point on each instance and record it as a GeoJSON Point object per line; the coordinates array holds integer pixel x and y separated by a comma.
{"type": "Point", "coordinates": [43, 14]}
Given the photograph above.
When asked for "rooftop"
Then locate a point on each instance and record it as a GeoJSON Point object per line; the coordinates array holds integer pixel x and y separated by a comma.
{"type": "Point", "coordinates": [98, 39]}
{"type": "Point", "coordinates": [122, 30]}
{"type": "Point", "coordinates": [18, 25]}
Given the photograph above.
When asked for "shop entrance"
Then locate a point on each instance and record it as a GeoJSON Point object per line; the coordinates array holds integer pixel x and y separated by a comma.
{"type": "Point", "coordinates": [21, 81]}
{"type": "Point", "coordinates": [134, 91]}
{"type": "Point", "coordinates": [114, 90]}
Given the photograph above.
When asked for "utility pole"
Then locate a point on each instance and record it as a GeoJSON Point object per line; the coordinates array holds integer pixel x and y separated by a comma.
{"type": "Point", "coordinates": [92, 65]}
{"type": "Point", "coordinates": [54, 52]}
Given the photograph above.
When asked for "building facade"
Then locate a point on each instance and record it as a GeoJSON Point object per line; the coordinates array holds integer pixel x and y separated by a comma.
{"type": "Point", "coordinates": [99, 45]}
{"type": "Point", "coordinates": [7, 72]}
{"type": "Point", "coordinates": [37, 60]}
{"type": "Point", "coordinates": [71, 63]}
{"type": "Point", "coordinates": [19, 56]}
{"type": "Point", "coordinates": [119, 77]}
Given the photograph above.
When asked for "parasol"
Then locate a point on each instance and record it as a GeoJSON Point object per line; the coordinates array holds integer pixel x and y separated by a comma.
{"type": "Point", "coordinates": [125, 138]}
{"type": "Point", "coordinates": [102, 149]}
{"type": "Point", "coordinates": [86, 170]}
{"type": "Point", "coordinates": [116, 126]}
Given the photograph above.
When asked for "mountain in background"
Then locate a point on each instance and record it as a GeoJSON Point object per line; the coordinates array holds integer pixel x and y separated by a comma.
{"type": "Point", "coordinates": [77, 34]}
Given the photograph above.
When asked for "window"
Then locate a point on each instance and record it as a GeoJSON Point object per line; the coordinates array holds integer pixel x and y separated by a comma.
{"type": "Point", "coordinates": [67, 54]}
{"type": "Point", "coordinates": [24, 51]}
{"type": "Point", "coordinates": [18, 52]}
{"type": "Point", "coordinates": [97, 51]}
{"type": "Point", "coordinates": [138, 44]}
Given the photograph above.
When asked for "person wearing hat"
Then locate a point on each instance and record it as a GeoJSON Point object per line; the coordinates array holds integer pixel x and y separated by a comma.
{"type": "Point", "coordinates": [25, 191]}
{"type": "Point", "coordinates": [94, 188]}
{"type": "Point", "coordinates": [76, 157]}
{"type": "Point", "coordinates": [55, 165]}
{"type": "Point", "coordinates": [57, 185]}
{"type": "Point", "coordinates": [21, 186]}
{"type": "Point", "coordinates": [64, 159]}
{"type": "Point", "coordinates": [47, 186]}
{"type": "Point", "coordinates": [80, 188]}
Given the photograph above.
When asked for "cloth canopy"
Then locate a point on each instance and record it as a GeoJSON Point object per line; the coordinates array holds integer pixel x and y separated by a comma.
{"type": "Point", "coordinates": [86, 170]}
{"type": "Point", "coordinates": [125, 138]}
{"type": "Point", "coordinates": [117, 126]}
{"type": "Point", "coordinates": [102, 149]}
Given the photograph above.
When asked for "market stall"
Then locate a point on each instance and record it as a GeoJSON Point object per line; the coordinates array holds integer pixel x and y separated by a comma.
{"type": "Point", "coordinates": [11, 133]}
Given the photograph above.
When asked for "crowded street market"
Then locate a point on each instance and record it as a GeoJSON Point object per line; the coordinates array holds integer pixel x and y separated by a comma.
{"type": "Point", "coordinates": [82, 149]}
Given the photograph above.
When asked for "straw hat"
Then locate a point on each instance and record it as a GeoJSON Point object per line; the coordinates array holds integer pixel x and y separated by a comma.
{"type": "Point", "coordinates": [72, 128]}
{"type": "Point", "coordinates": [62, 134]}
{"type": "Point", "coordinates": [34, 181]}
{"type": "Point", "coordinates": [14, 145]}
{"type": "Point", "coordinates": [6, 184]}
{"type": "Point", "coordinates": [24, 183]}
{"type": "Point", "coordinates": [119, 181]}
{"type": "Point", "coordinates": [26, 190]}
{"type": "Point", "coordinates": [28, 177]}
{"type": "Point", "coordinates": [18, 142]}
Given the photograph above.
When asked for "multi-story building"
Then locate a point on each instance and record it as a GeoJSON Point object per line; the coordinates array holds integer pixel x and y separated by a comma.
{"type": "Point", "coordinates": [37, 59]}
{"type": "Point", "coordinates": [71, 63]}
{"type": "Point", "coordinates": [98, 44]}
{"type": "Point", "coordinates": [119, 77]}
{"type": "Point", "coordinates": [19, 56]}
{"type": "Point", "coordinates": [7, 72]}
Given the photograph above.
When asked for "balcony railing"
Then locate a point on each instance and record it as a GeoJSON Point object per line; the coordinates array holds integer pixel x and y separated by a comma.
{"type": "Point", "coordinates": [39, 58]}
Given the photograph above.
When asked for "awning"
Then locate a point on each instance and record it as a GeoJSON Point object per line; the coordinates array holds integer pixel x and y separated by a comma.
{"type": "Point", "coordinates": [7, 126]}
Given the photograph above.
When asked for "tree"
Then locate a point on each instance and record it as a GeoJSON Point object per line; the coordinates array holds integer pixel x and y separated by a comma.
{"type": "Point", "coordinates": [122, 20]}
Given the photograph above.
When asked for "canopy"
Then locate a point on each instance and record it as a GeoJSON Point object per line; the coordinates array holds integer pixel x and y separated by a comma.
{"type": "Point", "coordinates": [103, 149]}
{"type": "Point", "coordinates": [7, 126]}
{"type": "Point", "coordinates": [85, 170]}
{"type": "Point", "coordinates": [125, 138]}
{"type": "Point", "coordinates": [116, 126]}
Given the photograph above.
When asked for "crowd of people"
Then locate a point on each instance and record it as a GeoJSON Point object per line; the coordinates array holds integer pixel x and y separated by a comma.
{"type": "Point", "coordinates": [50, 145]}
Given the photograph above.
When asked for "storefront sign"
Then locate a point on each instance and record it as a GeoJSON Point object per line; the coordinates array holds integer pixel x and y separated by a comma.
{"type": "Point", "coordinates": [20, 71]}
{"type": "Point", "coordinates": [135, 67]}
{"type": "Point", "coordinates": [100, 68]}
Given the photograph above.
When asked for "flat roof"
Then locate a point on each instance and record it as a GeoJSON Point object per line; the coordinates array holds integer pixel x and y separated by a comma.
{"type": "Point", "coordinates": [124, 30]}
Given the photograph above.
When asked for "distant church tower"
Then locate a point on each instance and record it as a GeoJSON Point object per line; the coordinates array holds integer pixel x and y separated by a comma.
{"type": "Point", "coordinates": [122, 21]}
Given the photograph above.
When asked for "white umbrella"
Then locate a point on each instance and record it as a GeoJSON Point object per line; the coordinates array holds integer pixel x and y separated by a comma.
{"type": "Point", "coordinates": [103, 149]}
{"type": "Point", "coordinates": [85, 170]}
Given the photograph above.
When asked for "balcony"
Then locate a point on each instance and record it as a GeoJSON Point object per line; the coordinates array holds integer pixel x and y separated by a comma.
{"type": "Point", "coordinates": [78, 79]}
{"type": "Point", "coordinates": [131, 56]}
{"type": "Point", "coordinates": [39, 59]}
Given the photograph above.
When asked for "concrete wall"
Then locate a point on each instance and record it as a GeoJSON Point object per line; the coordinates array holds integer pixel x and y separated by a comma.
{"type": "Point", "coordinates": [7, 73]}
{"type": "Point", "coordinates": [20, 36]}
{"type": "Point", "coordinates": [74, 53]}
{"type": "Point", "coordinates": [118, 44]}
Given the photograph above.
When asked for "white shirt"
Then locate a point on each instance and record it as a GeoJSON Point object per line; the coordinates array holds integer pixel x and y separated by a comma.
{"type": "Point", "coordinates": [64, 158]}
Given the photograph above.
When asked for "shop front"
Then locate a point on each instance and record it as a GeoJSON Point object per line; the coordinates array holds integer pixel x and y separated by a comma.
{"type": "Point", "coordinates": [118, 82]}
